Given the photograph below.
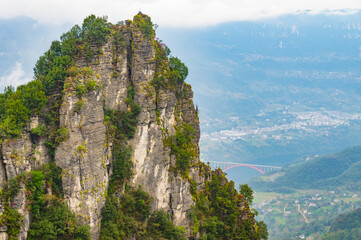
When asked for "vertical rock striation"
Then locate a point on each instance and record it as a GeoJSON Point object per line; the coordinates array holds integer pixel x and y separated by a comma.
{"type": "Point", "coordinates": [127, 59]}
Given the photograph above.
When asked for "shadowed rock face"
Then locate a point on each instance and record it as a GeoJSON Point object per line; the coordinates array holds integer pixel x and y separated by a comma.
{"type": "Point", "coordinates": [85, 157]}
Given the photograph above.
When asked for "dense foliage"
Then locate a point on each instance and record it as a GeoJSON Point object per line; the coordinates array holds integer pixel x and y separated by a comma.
{"type": "Point", "coordinates": [16, 107]}
{"type": "Point", "coordinates": [144, 23]}
{"type": "Point", "coordinates": [50, 73]}
{"type": "Point", "coordinates": [352, 234]}
{"type": "Point", "coordinates": [346, 226]}
{"type": "Point", "coordinates": [125, 216]}
{"type": "Point", "coordinates": [170, 72]}
{"type": "Point", "coordinates": [247, 192]}
{"type": "Point", "coordinates": [160, 226]}
{"type": "Point", "coordinates": [51, 217]}
{"type": "Point", "coordinates": [10, 216]}
{"type": "Point", "coordinates": [129, 216]}
{"type": "Point", "coordinates": [183, 147]}
{"type": "Point", "coordinates": [178, 70]}
{"type": "Point", "coordinates": [51, 68]}
{"type": "Point", "coordinates": [219, 212]}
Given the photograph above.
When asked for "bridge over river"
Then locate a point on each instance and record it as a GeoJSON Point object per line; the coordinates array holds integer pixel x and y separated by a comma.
{"type": "Point", "coordinates": [229, 165]}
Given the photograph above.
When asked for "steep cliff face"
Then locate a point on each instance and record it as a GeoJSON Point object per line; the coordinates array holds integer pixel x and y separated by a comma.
{"type": "Point", "coordinates": [86, 171]}
{"type": "Point", "coordinates": [128, 71]}
{"type": "Point", "coordinates": [21, 156]}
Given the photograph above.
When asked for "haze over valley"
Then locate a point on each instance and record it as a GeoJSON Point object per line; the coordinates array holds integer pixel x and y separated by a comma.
{"type": "Point", "coordinates": [274, 90]}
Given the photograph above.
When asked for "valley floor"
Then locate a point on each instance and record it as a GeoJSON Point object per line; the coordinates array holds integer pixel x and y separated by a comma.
{"type": "Point", "coordinates": [306, 214]}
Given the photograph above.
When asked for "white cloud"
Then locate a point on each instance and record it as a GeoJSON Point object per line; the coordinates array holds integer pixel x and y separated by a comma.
{"type": "Point", "coordinates": [16, 77]}
{"type": "Point", "coordinates": [176, 13]}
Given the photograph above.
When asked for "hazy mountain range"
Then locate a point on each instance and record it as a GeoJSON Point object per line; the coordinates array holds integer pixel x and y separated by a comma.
{"type": "Point", "coordinates": [274, 90]}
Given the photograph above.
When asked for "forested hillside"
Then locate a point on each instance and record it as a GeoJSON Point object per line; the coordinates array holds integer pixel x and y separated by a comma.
{"type": "Point", "coordinates": [341, 169]}
{"type": "Point", "coordinates": [345, 226]}
{"type": "Point", "coordinates": [305, 198]}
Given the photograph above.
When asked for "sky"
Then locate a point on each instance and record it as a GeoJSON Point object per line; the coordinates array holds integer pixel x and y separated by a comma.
{"type": "Point", "coordinates": [165, 13]}
{"type": "Point", "coordinates": [169, 13]}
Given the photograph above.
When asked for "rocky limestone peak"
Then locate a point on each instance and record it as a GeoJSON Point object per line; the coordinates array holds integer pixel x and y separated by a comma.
{"type": "Point", "coordinates": [118, 130]}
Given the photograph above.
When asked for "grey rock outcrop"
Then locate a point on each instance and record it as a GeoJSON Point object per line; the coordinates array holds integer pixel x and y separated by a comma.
{"type": "Point", "coordinates": [85, 155]}
{"type": "Point", "coordinates": [21, 156]}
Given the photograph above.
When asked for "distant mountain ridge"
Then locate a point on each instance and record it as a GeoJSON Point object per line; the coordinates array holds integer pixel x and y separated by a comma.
{"type": "Point", "coordinates": [342, 169]}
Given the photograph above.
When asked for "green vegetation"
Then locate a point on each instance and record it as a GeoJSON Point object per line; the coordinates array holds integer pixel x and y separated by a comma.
{"type": "Point", "coordinates": [247, 192]}
{"type": "Point", "coordinates": [61, 135]}
{"type": "Point", "coordinates": [16, 107]}
{"type": "Point", "coordinates": [347, 221]}
{"type": "Point", "coordinates": [95, 29]}
{"type": "Point", "coordinates": [345, 226]}
{"type": "Point", "coordinates": [335, 170]}
{"type": "Point", "coordinates": [127, 211]}
{"type": "Point", "coordinates": [50, 72]}
{"type": "Point", "coordinates": [51, 217]}
{"type": "Point", "coordinates": [172, 68]}
{"type": "Point", "coordinates": [129, 216]}
{"type": "Point", "coordinates": [91, 85]}
{"type": "Point", "coordinates": [129, 118]}
{"type": "Point", "coordinates": [144, 23]}
{"type": "Point", "coordinates": [219, 209]}
{"type": "Point", "coordinates": [159, 226]}
{"type": "Point", "coordinates": [134, 206]}
{"type": "Point", "coordinates": [170, 71]}
{"type": "Point", "coordinates": [353, 234]}
{"type": "Point", "coordinates": [51, 68]}
{"type": "Point", "coordinates": [178, 70]}
{"type": "Point", "coordinates": [78, 106]}
{"type": "Point", "coordinates": [126, 216]}
{"type": "Point", "coordinates": [284, 221]}
{"type": "Point", "coordinates": [13, 220]}
{"type": "Point", "coordinates": [80, 90]}
{"type": "Point", "coordinates": [322, 188]}
{"type": "Point", "coordinates": [10, 217]}
{"type": "Point", "coordinates": [39, 131]}
{"type": "Point", "coordinates": [52, 178]}
{"type": "Point", "coordinates": [183, 147]}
